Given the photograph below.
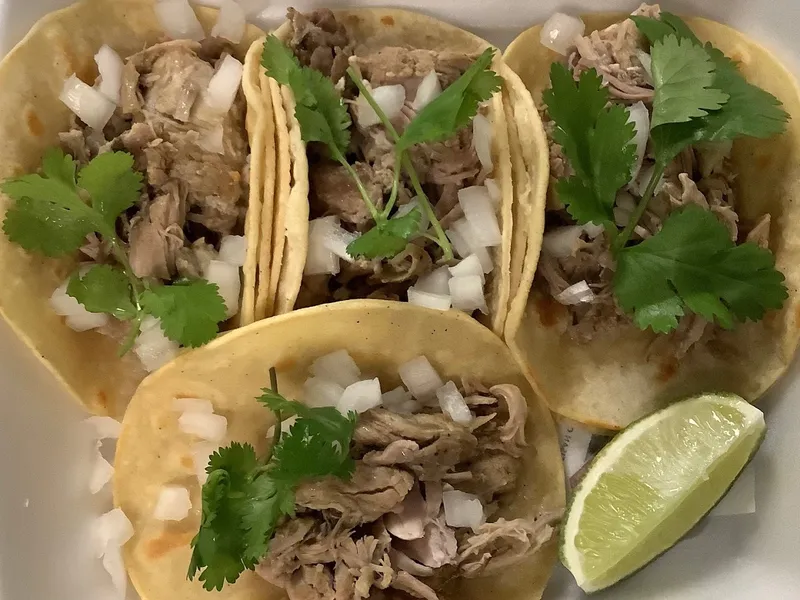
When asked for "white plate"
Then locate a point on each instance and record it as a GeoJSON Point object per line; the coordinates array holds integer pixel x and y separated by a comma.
{"type": "Point", "coordinates": [45, 507]}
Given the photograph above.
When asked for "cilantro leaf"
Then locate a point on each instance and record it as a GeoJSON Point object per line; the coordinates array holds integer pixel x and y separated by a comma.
{"type": "Point", "coordinates": [278, 61]}
{"type": "Point", "coordinates": [592, 135]}
{"type": "Point", "coordinates": [112, 183]}
{"type": "Point", "coordinates": [455, 107]}
{"type": "Point", "coordinates": [103, 289]}
{"type": "Point", "coordinates": [60, 166]}
{"type": "Point", "coordinates": [388, 238]}
{"type": "Point", "coordinates": [189, 310]}
{"type": "Point", "coordinates": [693, 264]}
{"type": "Point", "coordinates": [683, 74]}
{"type": "Point", "coordinates": [268, 502]}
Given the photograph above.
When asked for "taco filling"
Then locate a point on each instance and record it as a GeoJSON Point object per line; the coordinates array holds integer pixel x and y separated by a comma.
{"type": "Point", "coordinates": [149, 189]}
{"type": "Point", "coordinates": [643, 223]}
{"type": "Point", "coordinates": [372, 495]}
{"type": "Point", "coordinates": [402, 200]}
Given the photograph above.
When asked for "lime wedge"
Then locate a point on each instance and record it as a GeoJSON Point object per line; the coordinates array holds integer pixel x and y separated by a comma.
{"type": "Point", "coordinates": [653, 482]}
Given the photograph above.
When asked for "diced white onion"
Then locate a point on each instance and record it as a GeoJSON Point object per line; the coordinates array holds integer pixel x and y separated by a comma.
{"type": "Point", "coordinates": [360, 396]}
{"type": "Point", "coordinates": [198, 405]}
{"type": "Point", "coordinates": [563, 241]}
{"type": "Point", "coordinates": [640, 117]}
{"type": "Point", "coordinates": [223, 86]}
{"type": "Point", "coordinates": [233, 250]}
{"type": "Point", "coordinates": [452, 403]}
{"type": "Point", "coordinates": [482, 140]}
{"type": "Point", "coordinates": [462, 509]}
{"type": "Point", "coordinates": [91, 107]}
{"type": "Point", "coordinates": [336, 239]}
{"type": "Point", "coordinates": [153, 348]}
{"type": "Point", "coordinates": [429, 88]}
{"type": "Point", "coordinates": [201, 453]}
{"type": "Point", "coordinates": [212, 140]}
{"type": "Point", "coordinates": [104, 427]}
{"type": "Point", "coordinates": [321, 392]}
{"type": "Point", "coordinates": [207, 426]}
{"type": "Point", "coordinates": [575, 294]}
{"type": "Point", "coordinates": [424, 221]}
{"type": "Point", "coordinates": [389, 97]}
{"type": "Point", "coordinates": [460, 244]}
{"type": "Point", "coordinates": [77, 317]}
{"type": "Point", "coordinates": [102, 472]}
{"type": "Point", "coordinates": [393, 399]}
{"type": "Point", "coordinates": [467, 294]}
{"type": "Point", "coordinates": [479, 212]}
{"type": "Point", "coordinates": [115, 567]}
{"type": "Point", "coordinates": [109, 65]}
{"type": "Point", "coordinates": [320, 260]}
{"type": "Point", "coordinates": [468, 266]}
{"type": "Point", "coordinates": [229, 283]}
{"type": "Point", "coordinates": [647, 62]}
{"type": "Point", "coordinates": [173, 504]}
{"type": "Point", "coordinates": [178, 20]}
{"type": "Point", "coordinates": [560, 31]}
{"type": "Point", "coordinates": [494, 191]}
{"type": "Point", "coordinates": [428, 299]}
{"type": "Point", "coordinates": [435, 282]}
{"type": "Point", "coordinates": [231, 22]}
{"type": "Point", "coordinates": [465, 243]}
{"type": "Point", "coordinates": [639, 185]}
{"type": "Point", "coordinates": [111, 531]}
{"type": "Point", "coordinates": [593, 230]}
{"type": "Point", "coordinates": [337, 366]}
{"type": "Point", "coordinates": [420, 377]}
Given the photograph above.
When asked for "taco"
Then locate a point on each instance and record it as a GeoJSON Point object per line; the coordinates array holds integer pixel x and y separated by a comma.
{"type": "Point", "coordinates": [667, 265]}
{"type": "Point", "coordinates": [402, 497]}
{"type": "Point", "coordinates": [130, 198]}
{"type": "Point", "coordinates": [437, 234]}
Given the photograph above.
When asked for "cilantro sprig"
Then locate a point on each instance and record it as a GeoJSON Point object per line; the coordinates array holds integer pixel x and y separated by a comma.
{"type": "Point", "coordinates": [245, 498]}
{"type": "Point", "coordinates": [54, 211]}
{"type": "Point", "coordinates": [323, 117]}
{"type": "Point", "coordinates": [691, 263]}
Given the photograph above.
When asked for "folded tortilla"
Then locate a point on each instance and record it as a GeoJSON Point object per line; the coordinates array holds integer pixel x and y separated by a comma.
{"type": "Point", "coordinates": [372, 29]}
{"type": "Point", "coordinates": [31, 77]}
{"type": "Point", "coordinates": [610, 384]}
{"type": "Point", "coordinates": [230, 372]}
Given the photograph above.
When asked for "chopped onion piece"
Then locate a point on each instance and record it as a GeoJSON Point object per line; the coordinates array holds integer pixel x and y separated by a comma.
{"type": "Point", "coordinates": [213, 139]}
{"type": "Point", "coordinates": [494, 191]}
{"type": "Point", "coordinates": [229, 284]}
{"type": "Point", "coordinates": [560, 32]}
{"type": "Point", "coordinates": [86, 322]}
{"type": "Point", "coordinates": [593, 230]}
{"type": "Point", "coordinates": [420, 378]}
{"type": "Point", "coordinates": [320, 260]}
{"type": "Point", "coordinates": [647, 62]}
{"type": "Point", "coordinates": [394, 399]}
{"type": "Point", "coordinates": [102, 472]}
{"type": "Point", "coordinates": [462, 509]}
{"type": "Point", "coordinates": [231, 22]}
{"type": "Point", "coordinates": [178, 20]}
{"type": "Point", "coordinates": [468, 266]}
{"type": "Point", "coordinates": [201, 453]}
{"type": "Point", "coordinates": [639, 185]}
{"type": "Point", "coordinates": [563, 242]}
{"type": "Point", "coordinates": [104, 427]}
{"type": "Point", "coordinates": [223, 86]}
{"type": "Point", "coordinates": [435, 282]}
{"type": "Point", "coordinates": [640, 117]}
{"type": "Point", "coordinates": [467, 294]}
{"type": "Point", "coordinates": [428, 90]}
{"type": "Point", "coordinates": [424, 221]}
{"type": "Point", "coordinates": [198, 405]}
{"type": "Point", "coordinates": [337, 366]}
{"type": "Point", "coordinates": [360, 396]}
{"type": "Point", "coordinates": [173, 504]}
{"type": "Point", "coordinates": [336, 239]}
{"type": "Point", "coordinates": [452, 403]}
{"type": "Point", "coordinates": [115, 567]}
{"type": "Point", "coordinates": [110, 531]}
{"type": "Point", "coordinates": [321, 392]}
{"type": "Point", "coordinates": [575, 294]}
{"type": "Point", "coordinates": [233, 250]}
{"type": "Point", "coordinates": [479, 212]}
{"type": "Point", "coordinates": [464, 231]}
{"type": "Point", "coordinates": [78, 318]}
{"type": "Point", "coordinates": [389, 97]}
{"type": "Point", "coordinates": [207, 426]}
{"type": "Point", "coordinates": [460, 245]}
{"type": "Point", "coordinates": [91, 106]}
{"type": "Point", "coordinates": [109, 65]}
{"type": "Point", "coordinates": [482, 140]}
{"type": "Point", "coordinates": [153, 348]}
{"type": "Point", "coordinates": [428, 299]}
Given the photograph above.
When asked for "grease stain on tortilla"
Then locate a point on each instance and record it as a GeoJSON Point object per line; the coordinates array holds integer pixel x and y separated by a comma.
{"type": "Point", "coordinates": [167, 541]}
{"type": "Point", "coordinates": [187, 462]}
{"type": "Point", "coordinates": [102, 399]}
{"type": "Point", "coordinates": [35, 126]}
{"type": "Point", "coordinates": [549, 310]}
{"type": "Point", "coordinates": [387, 20]}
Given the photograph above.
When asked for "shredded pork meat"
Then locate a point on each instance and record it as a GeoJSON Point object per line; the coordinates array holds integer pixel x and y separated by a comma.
{"type": "Point", "coordinates": [383, 533]}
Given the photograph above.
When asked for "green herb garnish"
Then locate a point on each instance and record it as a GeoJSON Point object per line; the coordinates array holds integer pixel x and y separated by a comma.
{"type": "Point", "coordinates": [245, 498]}
{"type": "Point", "coordinates": [55, 211]}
